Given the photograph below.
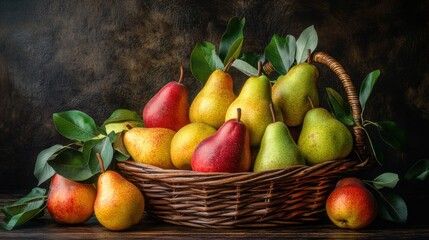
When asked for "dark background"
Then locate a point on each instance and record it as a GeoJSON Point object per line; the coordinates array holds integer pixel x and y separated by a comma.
{"type": "Point", "coordinates": [98, 56]}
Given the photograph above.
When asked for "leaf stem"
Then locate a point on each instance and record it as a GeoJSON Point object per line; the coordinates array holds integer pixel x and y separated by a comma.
{"type": "Point", "coordinates": [100, 160]}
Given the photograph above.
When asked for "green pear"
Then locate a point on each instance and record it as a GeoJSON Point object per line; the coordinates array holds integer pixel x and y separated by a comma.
{"type": "Point", "coordinates": [211, 103]}
{"type": "Point", "coordinates": [278, 149]}
{"type": "Point", "coordinates": [290, 92]}
{"type": "Point", "coordinates": [119, 203]}
{"type": "Point", "coordinates": [323, 137]}
{"type": "Point", "coordinates": [254, 100]}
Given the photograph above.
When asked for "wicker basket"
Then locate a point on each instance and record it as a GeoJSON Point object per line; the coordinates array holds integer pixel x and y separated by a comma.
{"type": "Point", "coordinates": [249, 199]}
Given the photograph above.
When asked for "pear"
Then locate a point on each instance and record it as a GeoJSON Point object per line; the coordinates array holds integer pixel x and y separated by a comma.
{"type": "Point", "coordinates": [169, 107]}
{"type": "Point", "coordinates": [70, 202]}
{"type": "Point", "coordinates": [278, 149]}
{"type": "Point", "coordinates": [290, 92]}
{"type": "Point", "coordinates": [186, 140]}
{"type": "Point", "coordinates": [150, 146]}
{"type": "Point", "coordinates": [119, 203]}
{"type": "Point", "coordinates": [211, 103]}
{"type": "Point", "coordinates": [227, 150]}
{"type": "Point", "coordinates": [323, 137]}
{"type": "Point", "coordinates": [254, 100]}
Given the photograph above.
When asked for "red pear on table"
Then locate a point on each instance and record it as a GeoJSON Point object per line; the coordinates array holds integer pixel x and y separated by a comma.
{"type": "Point", "coordinates": [70, 202]}
{"type": "Point", "coordinates": [169, 107]}
{"type": "Point", "coordinates": [351, 205]}
{"type": "Point", "coordinates": [228, 150]}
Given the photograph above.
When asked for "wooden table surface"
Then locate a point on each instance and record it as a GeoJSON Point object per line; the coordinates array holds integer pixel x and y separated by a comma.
{"type": "Point", "coordinates": [46, 228]}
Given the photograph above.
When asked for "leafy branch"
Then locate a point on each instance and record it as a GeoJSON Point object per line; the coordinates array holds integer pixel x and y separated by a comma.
{"type": "Point", "coordinates": [76, 161]}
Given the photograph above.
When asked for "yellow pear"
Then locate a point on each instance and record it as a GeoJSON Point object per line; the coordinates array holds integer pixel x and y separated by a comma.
{"type": "Point", "coordinates": [254, 100]}
{"type": "Point", "coordinates": [211, 103]}
{"type": "Point", "coordinates": [119, 203]}
{"type": "Point", "coordinates": [186, 140]}
{"type": "Point", "coordinates": [150, 146]}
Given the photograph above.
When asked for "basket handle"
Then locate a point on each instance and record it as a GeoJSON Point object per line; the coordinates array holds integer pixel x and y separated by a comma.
{"type": "Point", "coordinates": [352, 97]}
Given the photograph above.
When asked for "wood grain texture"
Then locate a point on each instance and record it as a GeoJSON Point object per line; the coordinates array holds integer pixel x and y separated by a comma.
{"type": "Point", "coordinates": [47, 228]}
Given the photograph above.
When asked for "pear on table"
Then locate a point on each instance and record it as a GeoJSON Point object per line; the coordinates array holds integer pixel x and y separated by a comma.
{"type": "Point", "coordinates": [228, 150]}
{"type": "Point", "coordinates": [169, 107]}
{"type": "Point", "coordinates": [278, 149]}
{"type": "Point", "coordinates": [70, 202]}
{"type": "Point", "coordinates": [119, 203]}
{"type": "Point", "coordinates": [211, 103]}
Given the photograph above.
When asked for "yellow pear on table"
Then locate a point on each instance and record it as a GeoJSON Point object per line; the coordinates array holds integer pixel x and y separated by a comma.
{"type": "Point", "coordinates": [323, 137]}
{"type": "Point", "coordinates": [186, 140]}
{"type": "Point", "coordinates": [211, 103]}
{"type": "Point", "coordinates": [254, 100]}
{"type": "Point", "coordinates": [119, 203]}
{"type": "Point", "coordinates": [150, 146]}
{"type": "Point", "coordinates": [290, 92]}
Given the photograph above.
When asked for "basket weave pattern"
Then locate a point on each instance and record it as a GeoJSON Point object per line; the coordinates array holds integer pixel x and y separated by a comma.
{"type": "Point", "coordinates": [249, 199]}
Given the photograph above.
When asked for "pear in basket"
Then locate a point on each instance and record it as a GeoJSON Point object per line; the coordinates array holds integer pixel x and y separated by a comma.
{"type": "Point", "coordinates": [278, 149]}
{"type": "Point", "coordinates": [211, 103]}
{"type": "Point", "coordinates": [323, 137]}
{"type": "Point", "coordinates": [186, 140]}
{"type": "Point", "coordinates": [290, 92]}
{"type": "Point", "coordinates": [254, 100]}
{"type": "Point", "coordinates": [168, 108]}
{"type": "Point", "coordinates": [150, 146]}
{"type": "Point", "coordinates": [228, 150]}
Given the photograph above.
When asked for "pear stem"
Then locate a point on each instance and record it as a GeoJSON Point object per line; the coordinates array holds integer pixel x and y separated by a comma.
{"type": "Point", "coordinates": [273, 114]}
{"type": "Point", "coordinates": [181, 75]}
{"type": "Point", "coordinates": [228, 64]}
{"type": "Point", "coordinates": [238, 114]}
{"type": "Point", "coordinates": [259, 68]}
{"type": "Point", "coordinates": [308, 56]}
{"type": "Point", "coordinates": [311, 102]}
{"type": "Point", "coordinates": [100, 160]}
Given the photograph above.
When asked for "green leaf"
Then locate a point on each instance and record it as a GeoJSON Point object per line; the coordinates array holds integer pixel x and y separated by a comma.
{"type": "Point", "coordinates": [340, 108]}
{"type": "Point", "coordinates": [232, 40]}
{"type": "Point", "coordinates": [71, 164]}
{"type": "Point", "coordinates": [375, 148]}
{"type": "Point", "coordinates": [391, 134]}
{"type": "Point", "coordinates": [204, 61]}
{"type": "Point", "coordinates": [419, 170]}
{"type": "Point", "coordinates": [121, 153]}
{"type": "Point", "coordinates": [281, 52]}
{"type": "Point", "coordinates": [387, 179]}
{"type": "Point", "coordinates": [366, 87]}
{"type": "Point", "coordinates": [105, 149]}
{"type": "Point", "coordinates": [123, 115]}
{"type": "Point", "coordinates": [42, 170]}
{"type": "Point", "coordinates": [25, 209]}
{"type": "Point", "coordinates": [245, 67]}
{"type": "Point", "coordinates": [307, 40]}
{"type": "Point", "coordinates": [75, 125]}
{"type": "Point", "coordinates": [253, 59]}
{"type": "Point", "coordinates": [391, 207]}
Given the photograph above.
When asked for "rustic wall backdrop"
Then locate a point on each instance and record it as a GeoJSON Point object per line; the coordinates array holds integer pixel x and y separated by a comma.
{"type": "Point", "coordinates": [97, 56]}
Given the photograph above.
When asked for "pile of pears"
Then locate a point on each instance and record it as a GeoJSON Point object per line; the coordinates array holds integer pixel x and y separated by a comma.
{"type": "Point", "coordinates": [267, 126]}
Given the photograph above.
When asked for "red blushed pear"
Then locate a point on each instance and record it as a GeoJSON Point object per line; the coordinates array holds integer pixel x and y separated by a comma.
{"type": "Point", "coordinates": [351, 205]}
{"type": "Point", "coordinates": [70, 202]}
{"type": "Point", "coordinates": [228, 150]}
{"type": "Point", "coordinates": [169, 107]}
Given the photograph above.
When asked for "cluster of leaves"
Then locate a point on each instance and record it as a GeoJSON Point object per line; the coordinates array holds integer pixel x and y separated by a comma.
{"type": "Point", "coordinates": [76, 161]}
{"type": "Point", "coordinates": [281, 52]}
